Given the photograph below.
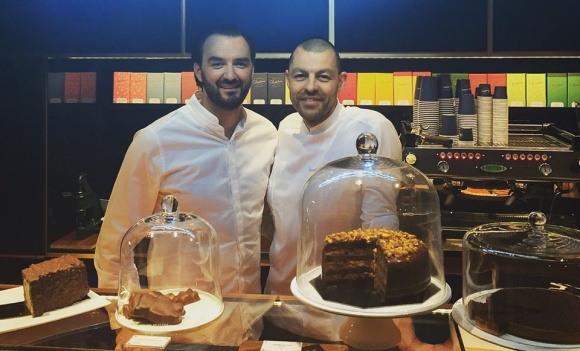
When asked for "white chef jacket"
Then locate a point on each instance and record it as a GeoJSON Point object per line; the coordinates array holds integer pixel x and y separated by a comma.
{"type": "Point", "coordinates": [301, 152]}
{"type": "Point", "coordinates": [224, 181]}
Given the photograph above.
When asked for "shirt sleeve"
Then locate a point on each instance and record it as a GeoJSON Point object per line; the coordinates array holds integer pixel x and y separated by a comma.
{"type": "Point", "coordinates": [133, 197]}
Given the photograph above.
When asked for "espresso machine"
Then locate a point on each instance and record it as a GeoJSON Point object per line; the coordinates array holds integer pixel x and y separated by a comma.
{"type": "Point", "coordinates": [539, 170]}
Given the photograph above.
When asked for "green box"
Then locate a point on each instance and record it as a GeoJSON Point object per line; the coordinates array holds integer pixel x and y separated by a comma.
{"type": "Point", "coordinates": [557, 89]}
{"type": "Point", "coordinates": [573, 89]}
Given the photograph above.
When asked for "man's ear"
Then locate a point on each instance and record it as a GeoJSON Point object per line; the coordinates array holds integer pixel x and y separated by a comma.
{"type": "Point", "coordinates": [341, 81]}
{"type": "Point", "coordinates": [286, 75]}
{"type": "Point", "coordinates": [197, 71]}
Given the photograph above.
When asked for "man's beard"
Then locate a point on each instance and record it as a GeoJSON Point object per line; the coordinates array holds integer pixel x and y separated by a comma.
{"type": "Point", "coordinates": [228, 102]}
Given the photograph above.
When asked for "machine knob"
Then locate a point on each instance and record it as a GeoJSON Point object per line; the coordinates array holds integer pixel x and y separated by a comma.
{"type": "Point", "coordinates": [545, 169]}
{"type": "Point", "coordinates": [411, 158]}
{"type": "Point", "coordinates": [443, 166]}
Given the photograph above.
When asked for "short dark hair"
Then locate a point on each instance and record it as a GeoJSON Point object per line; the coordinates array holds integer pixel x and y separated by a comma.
{"type": "Point", "coordinates": [228, 30]}
{"type": "Point", "coordinates": [317, 45]}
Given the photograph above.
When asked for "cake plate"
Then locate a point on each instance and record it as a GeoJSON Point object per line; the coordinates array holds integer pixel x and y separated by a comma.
{"type": "Point", "coordinates": [197, 315]}
{"type": "Point", "coordinates": [370, 328]}
{"type": "Point", "coordinates": [459, 314]}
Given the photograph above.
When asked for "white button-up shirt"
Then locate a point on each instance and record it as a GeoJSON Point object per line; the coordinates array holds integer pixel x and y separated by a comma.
{"type": "Point", "coordinates": [224, 181]}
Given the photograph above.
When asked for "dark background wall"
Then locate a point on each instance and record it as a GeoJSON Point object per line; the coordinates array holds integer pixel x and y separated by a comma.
{"type": "Point", "coordinates": [66, 139]}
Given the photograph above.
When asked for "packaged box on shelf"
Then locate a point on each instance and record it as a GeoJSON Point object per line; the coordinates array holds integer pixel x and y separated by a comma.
{"type": "Point", "coordinates": [155, 87]}
{"type": "Point", "coordinates": [496, 79]}
{"type": "Point", "coordinates": [475, 79]}
{"type": "Point", "coordinates": [138, 84]}
{"type": "Point", "coordinates": [276, 84]}
{"type": "Point", "coordinates": [403, 88]}
{"type": "Point", "coordinates": [384, 88]}
{"type": "Point", "coordinates": [188, 86]}
{"type": "Point", "coordinates": [248, 98]}
{"type": "Point", "coordinates": [55, 93]}
{"type": "Point", "coordinates": [172, 88]}
{"type": "Point", "coordinates": [516, 89]}
{"type": "Point", "coordinates": [88, 87]}
{"type": "Point", "coordinates": [573, 89]}
{"type": "Point", "coordinates": [366, 89]}
{"type": "Point", "coordinates": [536, 89]}
{"type": "Point", "coordinates": [72, 87]}
{"type": "Point", "coordinates": [557, 89]}
{"type": "Point", "coordinates": [349, 91]}
{"type": "Point", "coordinates": [121, 87]}
{"type": "Point", "coordinates": [259, 88]}
{"type": "Point", "coordinates": [287, 94]}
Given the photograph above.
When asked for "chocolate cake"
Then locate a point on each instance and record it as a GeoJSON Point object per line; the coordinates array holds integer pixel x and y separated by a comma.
{"type": "Point", "coordinates": [374, 267]}
{"type": "Point", "coordinates": [156, 308]}
{"type": "Point", "coordinates": [54, 284]}
{"type": "Point", "coordinates": [550, 316]}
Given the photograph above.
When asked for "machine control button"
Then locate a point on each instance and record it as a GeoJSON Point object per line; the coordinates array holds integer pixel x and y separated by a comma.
{"type": "Point", "coordinates": [443, 166]}
{"type": "Point", "coordinates": [544, 157]}
{"type": "Point", "coordinates": [411, 158]}
{"type": "Point", "coordinates": [545, 169]}
{"type": "Point", "coordinates": [508, 156]}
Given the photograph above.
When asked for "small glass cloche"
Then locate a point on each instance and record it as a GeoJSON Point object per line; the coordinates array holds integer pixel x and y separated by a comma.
{"type": "Point", "coordinates": [370, 239]}
{"type": "Point", "coordinates": [169, 277]}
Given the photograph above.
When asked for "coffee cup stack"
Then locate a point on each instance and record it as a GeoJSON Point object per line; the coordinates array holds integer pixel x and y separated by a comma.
{"type": "Point", "coordinates": [427, 107]}
{"type": "Point", "coordinates": [484, 115]}
{"type": "Point", "coordinates": [416, 123]}
{"type": "Point", "coordinates": [500, 116]}
{"type": "Point", "coordinates": [446, 101]}
{"type": "Point", "coordinates": [462, 86]}
{"type": "Point", "coordinates": [449, 128]}
{"type": "Point", "coordinates": [466, 116]}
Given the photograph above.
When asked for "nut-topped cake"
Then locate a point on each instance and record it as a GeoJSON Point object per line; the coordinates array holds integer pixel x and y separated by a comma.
{"type": "Point", "coordinates": [374, 267]}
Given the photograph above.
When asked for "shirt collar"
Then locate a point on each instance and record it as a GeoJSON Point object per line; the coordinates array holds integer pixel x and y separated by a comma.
{"type": "Point", "coordinates": [210, 120]}
{"type": "Point", "coordinates": [326, 124]}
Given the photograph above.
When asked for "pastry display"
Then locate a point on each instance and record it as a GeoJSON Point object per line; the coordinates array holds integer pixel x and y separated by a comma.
{"type": "Point", "coordinates": [374, 267]}
{"type": "Point", "coordinates": [544, 315]}
{"type": "Point", "coordinates": [54, 284]}
{"type": "Point", "coordinates": [155, 307]}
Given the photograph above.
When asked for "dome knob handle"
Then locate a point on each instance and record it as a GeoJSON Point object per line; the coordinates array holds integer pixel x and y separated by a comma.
{"type": "Point", "coordinates": [367, 144]}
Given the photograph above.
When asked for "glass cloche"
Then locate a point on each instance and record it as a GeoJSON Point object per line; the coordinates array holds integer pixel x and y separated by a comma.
{"type": "Point", "coordinates": [169, 277]}
{"type": "Point", "coordinates": [370, 240]}
{"type": "Point", "coordinates": [521, 284]}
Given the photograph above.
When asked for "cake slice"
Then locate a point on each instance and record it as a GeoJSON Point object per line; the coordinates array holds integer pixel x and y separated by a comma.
{"type": "Point", "coordinates": [54, 284]}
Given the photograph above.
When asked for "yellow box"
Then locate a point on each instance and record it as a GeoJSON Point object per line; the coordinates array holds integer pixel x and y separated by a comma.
{"type": "Point", "coordinates": [366, 88]}
{"type": "Point", "coordinates": [535, 90]}
{"type": "Point", "coordinates": [516, 89]}
{"type": "Point", "coordinates": [403, 88]}
{"type": "Point", "coordinates": [384, 88]}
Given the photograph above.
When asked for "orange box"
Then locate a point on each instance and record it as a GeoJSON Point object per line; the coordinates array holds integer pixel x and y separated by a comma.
{"type": "Point", "coordinates": [72, 87]}
{"type": "Point", "coordinates": [138, 88]}
{"type": "Point", "coordinates": [475, 79]}
{"type": "Point", "coordinates": [88, 87]}
{"type": "Point", "coordinates": [348, 94]}
{"type": "Point", "coordinates": [403, 88]}
{"type": "Point", "coordinates": [188, 86]}
{"type": "Point", "coordinates": [384, 88]}
{"type": "Point", "coordinates": [121, 87]}
{"type": "Point", "coordinates": [495, 79]}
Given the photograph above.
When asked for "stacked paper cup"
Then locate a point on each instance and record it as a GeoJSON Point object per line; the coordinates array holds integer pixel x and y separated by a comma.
{"type": "Point", "coordinates": [484, 116]}
{"type": "Point", "coordinates": [466, 117]}
{"type": "Point", "coordinates": [500, 116]}
{"type": "Point", "coordinates": [462, 86]}
{"type": "Point", "coordinates": [428, 106]}
{"type": "Point", "coordinates": [416, 122]}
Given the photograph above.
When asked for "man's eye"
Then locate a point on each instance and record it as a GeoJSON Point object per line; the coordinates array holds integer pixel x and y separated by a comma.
{"type": "Point", "coordinates": [324, 78]}
{"type": "Point", "coordinates": [299, 76]}
{"type": "Point", "coordinates": [216, 65]}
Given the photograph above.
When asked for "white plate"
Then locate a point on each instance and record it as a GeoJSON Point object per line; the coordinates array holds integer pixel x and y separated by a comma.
{"type": "Point", "coordinates": [310, 296]}
{"type": "Point", "coordinates": [17, 295]}
{"type": "Point", "coordinates": [197, 314]}
{"type": "Point", "coordinates": [506, 340]}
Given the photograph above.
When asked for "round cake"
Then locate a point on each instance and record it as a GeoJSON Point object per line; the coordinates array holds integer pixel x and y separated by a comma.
{"type": "Point", "coordinates": [374, 267]}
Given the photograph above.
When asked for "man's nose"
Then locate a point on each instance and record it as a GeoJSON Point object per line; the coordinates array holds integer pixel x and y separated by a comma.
{"type": "Point", "coordinates": [230, 72]}
{"type": "Point", "coordinates": [311, 85]}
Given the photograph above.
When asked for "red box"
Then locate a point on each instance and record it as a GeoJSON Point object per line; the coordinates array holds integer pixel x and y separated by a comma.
{"type": "Point", "coordinates": [138, 87]}
{"type": "Point", "coordinates": [475, 79]}
{"type": "Point", "coordinates": [72, 87]}
{"type": "Point", "coordinates": [348, 94]}
{"type": "Point", "coordinates": [188, 86]}
{"type": "Point", "coordinates": [88, 87]}
{"type": "Point", "coordinates": [495, 79]}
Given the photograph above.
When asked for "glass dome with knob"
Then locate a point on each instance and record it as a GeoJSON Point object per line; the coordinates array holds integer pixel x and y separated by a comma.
{"type": "Point", "coordinates": [370, 240]}
{"type": "Point", "coordinates": [169, 277]}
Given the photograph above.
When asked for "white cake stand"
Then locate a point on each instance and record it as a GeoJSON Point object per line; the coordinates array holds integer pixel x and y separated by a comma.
{"type": "Point", "coordinates": [461, 317]}
{"type": "Point", "coordinates": [370, 328]}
